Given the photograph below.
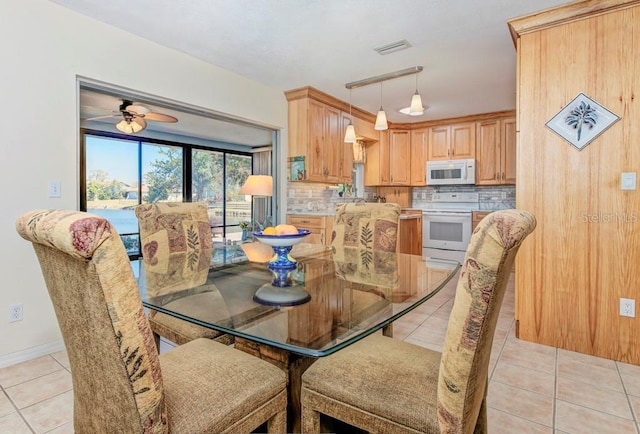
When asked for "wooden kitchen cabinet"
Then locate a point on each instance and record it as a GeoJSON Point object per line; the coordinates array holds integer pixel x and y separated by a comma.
{"type": "Point", "coordinates": [315, 133]}
{"type": "Point", "coordinates": [476, 217]}
{"type": "Point", "coordinates": [388, 159]}
{"type": "Point", "coordinates": [495, 152]}
{"type": "Point", "coordinates": [451, 142]}
{"type": "Point", "coordinates": [419, 149]}
{"type": "Point", "coordinates": [320, 227]}
{"type": "Point", "coordinates": [410, 232]}
{"type": "Point", "coordinates": [399, 195]}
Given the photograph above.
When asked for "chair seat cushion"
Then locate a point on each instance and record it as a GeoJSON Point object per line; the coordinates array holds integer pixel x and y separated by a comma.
{"type": "Point", "coordinates": [217, 383]}
{"type": "Point", "coordinates": [405, 375]}
{"type": "Point", "coordinates": [180, 331]}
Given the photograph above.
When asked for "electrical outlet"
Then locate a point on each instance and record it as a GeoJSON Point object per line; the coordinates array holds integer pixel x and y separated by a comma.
{"type": "Point", "coordinates": [54, 189]}
{"type": "Point", "coordinates": [15, 312]}
{"type": "Point", "coordinates": [627, 307]}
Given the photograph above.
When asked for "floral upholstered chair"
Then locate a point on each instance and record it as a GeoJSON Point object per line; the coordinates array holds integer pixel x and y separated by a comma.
{"type": "Point", "coordinates": [120, 383]}
{"type": "Point", "coordinates": [370, 226]}
{"type": "Point", "coordinates": [177, 244]}
{"type": "Point", "coordinates": [382, 384]}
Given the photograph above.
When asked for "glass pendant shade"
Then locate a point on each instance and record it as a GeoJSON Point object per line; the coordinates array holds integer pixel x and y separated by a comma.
{"type": "Point", "coordinates": [350, 134]}
{"type": "Point", "coordinates": [416, 108]}
{"type": "Point", "coordinates": [381, 120]}
{"type": "Point", "coordinates": [129, 127]}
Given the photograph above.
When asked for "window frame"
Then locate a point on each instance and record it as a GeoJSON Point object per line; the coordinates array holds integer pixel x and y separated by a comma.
{"type": "Point", "coordinates": [187, 152]}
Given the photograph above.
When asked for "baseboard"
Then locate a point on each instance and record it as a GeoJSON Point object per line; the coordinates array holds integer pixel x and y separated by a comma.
{"type": "Point", "coordinates": [31, 353]}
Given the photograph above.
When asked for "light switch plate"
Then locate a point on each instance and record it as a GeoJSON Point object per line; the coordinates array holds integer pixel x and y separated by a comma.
{"type": "Point", "coordinates": [628, 181]}
{"type": "Point", "coordinates": [54, 189]}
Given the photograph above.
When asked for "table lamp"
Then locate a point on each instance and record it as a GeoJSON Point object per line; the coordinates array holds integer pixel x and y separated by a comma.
{"type": "Point", "coordinates": [258, 185]}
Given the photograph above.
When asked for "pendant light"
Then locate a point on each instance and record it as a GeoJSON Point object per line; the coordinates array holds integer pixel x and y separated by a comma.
{"type": "Point", "coordinates": [416, 108]}
{"type": "Point", "coordinates": [381, 119]}
{"type": "Point", "coordinates": [350, 134]}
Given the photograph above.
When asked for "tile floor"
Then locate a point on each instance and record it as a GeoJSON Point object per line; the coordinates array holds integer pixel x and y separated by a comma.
{"type": "Point", "coordinates": [533, 388]}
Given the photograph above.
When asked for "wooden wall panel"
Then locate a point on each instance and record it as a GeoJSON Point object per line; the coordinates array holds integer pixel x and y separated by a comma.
{"type": "Point", "coordinates": [585, 253]}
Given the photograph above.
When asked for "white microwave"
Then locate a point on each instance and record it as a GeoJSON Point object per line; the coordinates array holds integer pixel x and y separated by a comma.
{"type": "Point", "coordinates": [451, 172]}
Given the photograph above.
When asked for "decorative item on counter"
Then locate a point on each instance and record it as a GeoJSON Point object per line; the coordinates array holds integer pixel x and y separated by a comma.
{"type": "Point", "coordinates": [246, 229]}
{"type": "Point", "coordinates": [297, 169]}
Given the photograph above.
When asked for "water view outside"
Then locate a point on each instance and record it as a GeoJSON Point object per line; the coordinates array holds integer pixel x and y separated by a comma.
{"type": "Point", "coordinates": [121, 174]}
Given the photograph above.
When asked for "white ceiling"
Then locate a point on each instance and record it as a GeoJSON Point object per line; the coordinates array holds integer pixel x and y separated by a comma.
{"type": "Point", "coordinates": [464, 45]}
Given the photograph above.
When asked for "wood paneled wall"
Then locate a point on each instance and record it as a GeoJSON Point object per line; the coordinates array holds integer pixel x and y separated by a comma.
{"type": "Point", "coordinates": [585, 253]}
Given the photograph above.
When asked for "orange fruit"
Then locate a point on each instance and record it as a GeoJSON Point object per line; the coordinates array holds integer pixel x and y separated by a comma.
{"type": "Point", "coordinates": [286, 230]}
{"type": "Point", "coordinates": [269, 231]}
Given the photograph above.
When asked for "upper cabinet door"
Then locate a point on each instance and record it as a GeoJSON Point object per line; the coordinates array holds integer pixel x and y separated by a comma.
{"type": "Point", "coordinates": [400, 157]}
{"type": "Point", "coordinates": [463, 140]}
{"type": "Point", "coordinates": [418, 156]}
{"type": "Point", "coordinates": [509, 151]}
{"type": "Point", "coordinates": [488, 165]}
{"type": "Point", "coordinates": [439, 141]}
{"type": "Point", "coordinates": [316, 145]}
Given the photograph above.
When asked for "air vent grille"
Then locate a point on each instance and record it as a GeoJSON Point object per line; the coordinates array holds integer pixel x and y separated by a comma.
{"type": "Point", "coordinates": [393, 47]}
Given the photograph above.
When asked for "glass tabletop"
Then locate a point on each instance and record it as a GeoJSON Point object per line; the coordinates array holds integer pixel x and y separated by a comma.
{"type": "Point", "coordinates": [329, 299]}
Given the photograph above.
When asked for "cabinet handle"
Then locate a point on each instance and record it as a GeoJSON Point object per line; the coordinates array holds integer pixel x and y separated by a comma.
{"type": "Point", "coordinates": [453, 152]}
{"type": "Point", "coordinates": [498, 176]}
{"type": "Point", "coordinates": [503, 177]}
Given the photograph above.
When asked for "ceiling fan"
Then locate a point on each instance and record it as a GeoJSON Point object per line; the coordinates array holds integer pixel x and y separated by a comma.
{"type": "Point", "coordinates": [135, 117]}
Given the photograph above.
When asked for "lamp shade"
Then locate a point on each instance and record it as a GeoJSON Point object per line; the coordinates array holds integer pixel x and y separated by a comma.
{"type": "Point", "coordinates": [129, 127]}
{"type": "Point", "coordinates": [350, 134]}
{"type": "Point", "coordinates": [381, 120]}
{"type": "Point", "coordinates": [258, 185]}
{"type": "Point", "coordinates": [416, 108]}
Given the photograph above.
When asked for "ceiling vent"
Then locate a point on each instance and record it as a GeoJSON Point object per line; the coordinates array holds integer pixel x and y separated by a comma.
{"type": "Point", "coordinates": [393, 47]}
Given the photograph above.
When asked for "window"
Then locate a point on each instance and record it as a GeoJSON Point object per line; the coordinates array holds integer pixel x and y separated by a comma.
{"type": "Point", "coordinates": [119, 173]}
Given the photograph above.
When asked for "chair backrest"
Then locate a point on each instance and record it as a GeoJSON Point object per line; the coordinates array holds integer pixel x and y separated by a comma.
{"type": "Point", "coordinates": [369, 226]}
{"type": "Point", "coordinates": [467, 348]}
{"type": "Point", "coordinates": [115, 368]}
{"type": "Point", "coordinates": [176, 244]}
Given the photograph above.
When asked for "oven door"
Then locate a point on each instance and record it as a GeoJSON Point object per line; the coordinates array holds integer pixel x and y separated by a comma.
{"type": "Point", "coordinates": [446, 230]}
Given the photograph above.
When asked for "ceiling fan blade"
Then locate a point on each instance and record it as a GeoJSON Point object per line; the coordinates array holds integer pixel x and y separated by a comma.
{"type": "Point", "coordinates": [140, 121]}
{"type": "Point", "coordinates": [160, 117]}
{"type": "Point", "coordinates": [95, 118]}
{"type": "Point", "coordinates": [137, 109]}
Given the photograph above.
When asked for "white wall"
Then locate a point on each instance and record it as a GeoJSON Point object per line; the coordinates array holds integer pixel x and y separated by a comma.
{"type": "Point", "coordinates": [44, 47]}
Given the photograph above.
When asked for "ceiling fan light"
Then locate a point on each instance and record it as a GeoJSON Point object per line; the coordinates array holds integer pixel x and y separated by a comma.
{"type": "Point", "coordinates": [350, 134]}
{"type": "Point", "coordinates": [416, 108]}
{"type": "Point", "coordinates": [381, 121]}
{"type": "Point", "coordinates": [129, 127]}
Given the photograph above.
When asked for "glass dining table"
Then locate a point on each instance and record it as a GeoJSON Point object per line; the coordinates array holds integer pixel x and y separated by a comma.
{"type": "Point", "coordinates": [330, 299]}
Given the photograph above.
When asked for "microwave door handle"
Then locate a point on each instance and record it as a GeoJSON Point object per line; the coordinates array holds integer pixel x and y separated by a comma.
{"type": "Point", "coordinates": [464, 173]}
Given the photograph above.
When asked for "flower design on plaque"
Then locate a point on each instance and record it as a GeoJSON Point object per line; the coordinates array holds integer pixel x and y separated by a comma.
{"type": "Point", "coordinates": [581, 121]}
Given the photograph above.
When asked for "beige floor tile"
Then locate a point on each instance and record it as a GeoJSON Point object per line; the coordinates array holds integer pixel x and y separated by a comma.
{"type": "Point", "coordinates": [62, 358]}
{"type": "Point", "coordinates": [573, 418]}
{"type": "Point", "coordinates": [525, 378]}
{"type": "Point", "coordinates": [628, 369]}
{"type": "Point", "coordinates": [51, 413]}
{"type": "Point", "coordinates": [572, 356]}
{"type": "Point", "coordinates": [425, 309]}
{"type": "Point", "coordinates": [631, 384]}
{"type": "Point", "coordinates": [401, 331]}
{"type": "Point", "coordinates": [20, 372]}
{"type": "Point", "coordinates": [39, 389]}
{"type": "Point", "coordinates": [13, 424]}
{"type": "Point", "coordinates": [430, 346]}
{"type": "Point", "coordinates": [635, 405]}
{"type": "Point", "coordinates": [505, 423]}
{"type": "Point", "coordinates": [531, 406]}
{"type": "Point", "coordinates": [6, 407]}
{"type": "Point", "coordinates": [412, 318]}
{"type": "Point", "coordinates": [67, 428]}
{"type": "Point", "coordinates": [593, 397]}
{"type": "Point", "coordinates": [529, 355]}
{"type": "Point", "coordinates": [595, 375]}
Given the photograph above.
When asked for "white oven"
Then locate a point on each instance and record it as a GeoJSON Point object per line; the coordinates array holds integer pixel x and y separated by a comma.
{"type": "Point", "coordinates": [451, 172]}
{"type": "Point", "coordinates": [446, 225]}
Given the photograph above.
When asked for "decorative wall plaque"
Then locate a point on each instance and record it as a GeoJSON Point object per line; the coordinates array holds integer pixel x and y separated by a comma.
{"type": "Point", "coordinates": [581, 121]}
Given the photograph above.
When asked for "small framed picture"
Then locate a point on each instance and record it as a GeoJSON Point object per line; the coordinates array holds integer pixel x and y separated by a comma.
{"type": "Point", "coordinates": [581, 121]}
{"type": "Point", "coordinates": [297, 171]}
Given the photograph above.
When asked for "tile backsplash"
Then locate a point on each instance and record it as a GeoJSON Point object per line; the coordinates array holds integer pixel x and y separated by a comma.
{"type": "Point", "coordinates": [315, 198]}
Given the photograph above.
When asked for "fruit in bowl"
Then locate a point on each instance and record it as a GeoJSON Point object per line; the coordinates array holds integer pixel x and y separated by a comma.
{"type": "Point", "coordinates": [280, 230]}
